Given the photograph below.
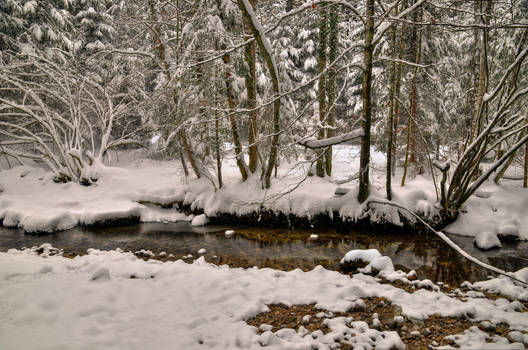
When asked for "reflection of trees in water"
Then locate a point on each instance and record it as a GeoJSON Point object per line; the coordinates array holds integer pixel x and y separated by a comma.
{"type": "Point", "coordinates": [451, 267]}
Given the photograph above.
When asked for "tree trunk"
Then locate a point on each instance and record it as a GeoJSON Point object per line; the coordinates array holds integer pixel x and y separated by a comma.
{"type": "Point", "coordinates": [390, 120]}
{"type": "Point", "coordinates": [525, 172]}
{"type": "Point", "coordinates": [289, 5]}
{"type": "Point", "coordinates": [364, 161]}
{"type": "Point", "coordinates": [217, 151]}
{"type": "Point", "coordinates": [410, 150]}
{"type": "Point", "coordinates": [239, 156]}
{"type": "Point", "coordinates": [397, 88]}
{"type": "Point", "coordinates": [331, 85]}
{"type": "Point", "coordinates": [251, 88]}
{"type": "Point", "coordinates": [483, 77]}
{"type": "Point", "coordinates": [265, 49]}
{"type": "Point", "coordinates": [188, 151]}
{"type": "Point", "coordinates": [321, 60]}
{"type": "Point", "coordinates": [233, 122]}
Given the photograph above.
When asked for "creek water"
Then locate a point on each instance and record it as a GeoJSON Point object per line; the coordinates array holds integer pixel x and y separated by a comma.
{"type": "Point", "coordinates": [280, 248]}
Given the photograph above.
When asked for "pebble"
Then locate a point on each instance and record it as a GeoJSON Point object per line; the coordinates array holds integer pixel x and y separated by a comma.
{"type": "Point", "coordinates": [202, 251]}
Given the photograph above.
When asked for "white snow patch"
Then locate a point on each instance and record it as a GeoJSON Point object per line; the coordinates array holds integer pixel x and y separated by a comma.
{"type": "Point", "coordinates": [200, 220]}
{"type": "Point", "coordinates": [487, 240]}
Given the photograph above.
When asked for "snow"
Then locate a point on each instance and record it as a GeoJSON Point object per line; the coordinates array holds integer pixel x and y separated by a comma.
{"type": "Point", "coordinates": [200, 220]}
{"type": "Point", "coordinates": [202, 251]}
{"type": "Point", "coordinates": [487, 240]}
{"type": "Point", "coordinates": [135, 186]}
{"type": "Point", "coordinates": [91, 301]}
{"type": "Point", "coordinates": [366, 256]}
{"type": "Point", "coordinates": [229, 233]}
{"type": "Point", "coordinates": [314, 237]}
{"type": "Point", "coordinates": [501, 211]}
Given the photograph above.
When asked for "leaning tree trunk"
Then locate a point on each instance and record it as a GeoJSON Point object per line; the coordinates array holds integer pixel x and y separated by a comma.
{"type": "Point", "coordinates": [364, 160]}
{"type": "Point", "coordinates": [265, 49]}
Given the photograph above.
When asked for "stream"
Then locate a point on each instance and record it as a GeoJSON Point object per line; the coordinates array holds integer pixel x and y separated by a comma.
{"type": "Point", "coordinates": [280, 248]}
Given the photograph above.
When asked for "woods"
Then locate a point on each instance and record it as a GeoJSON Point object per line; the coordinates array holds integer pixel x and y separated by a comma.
{"type": "Point", "coordinates": [439, 86]}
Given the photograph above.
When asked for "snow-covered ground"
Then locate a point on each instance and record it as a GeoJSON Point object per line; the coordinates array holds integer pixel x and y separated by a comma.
{"type": "Point", "coordinates": [113, 300]}
{"type": "Point", "coordinates": [30, 199]}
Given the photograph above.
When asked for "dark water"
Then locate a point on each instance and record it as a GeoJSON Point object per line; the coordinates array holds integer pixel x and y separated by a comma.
{"type": "Point", "coordinates": [280, 248]}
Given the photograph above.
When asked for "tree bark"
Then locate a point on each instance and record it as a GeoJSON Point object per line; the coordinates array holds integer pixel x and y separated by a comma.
{"type": "Point", "coordinates": [321, 60]}
{"type": "Point", "coordinates": [525, 172]}
{"type": "Point", "coordinates": [331, 84]}
{"type": "Point", "coordinates": [390, 120]}
{"type": "Point", "coordinates": [251, 88]}
{"type": "Point", "coordinates": [364, 161]}
{"type": "Point", "coordinates": [233, 122]}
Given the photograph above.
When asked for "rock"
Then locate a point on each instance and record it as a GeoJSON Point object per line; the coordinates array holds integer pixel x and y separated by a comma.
{"type": "Point", "coordinates": [411, 276]}
{"type": "Point", "coordinates": [508, 233]}
{"type": "Point", "coordinates": [487, 326]}
{"type": "Point", "coordinates": [358, 258]}
{"type": "Point", "coordinates": [416, 321]}
{"type": "Point", "coordinates": [229, 233]}
{"type": "Point", "coordinates": [487, 240]}
{"type": "Point", "coordinates": [202, 251]}
{"type": "Point", "coordinates": [397, 311]}
{"type": "Point", "coordinates": [516, 305]}
{"type": "Point", "coordinates": [314, 237]}
{"type": "Point", "coordinates": [399, 320]}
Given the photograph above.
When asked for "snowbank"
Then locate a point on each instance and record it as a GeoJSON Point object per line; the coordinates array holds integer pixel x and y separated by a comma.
{"type": "Point", "coordinates": [32, 201]}
{"type": "Point", "coordinates": [496, 209]}
{"type": "Point", "coordinates": [92, 301]}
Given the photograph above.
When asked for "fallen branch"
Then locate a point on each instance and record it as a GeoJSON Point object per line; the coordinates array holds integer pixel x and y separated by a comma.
{"type": "Point", "coordinates": [452, 244]}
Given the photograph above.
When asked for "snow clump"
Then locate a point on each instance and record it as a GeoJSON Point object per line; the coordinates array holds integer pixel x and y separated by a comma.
{"type": "Point", "coordinates": [487, 240]}
{"type": "Point", "coordinates": [200, 220]}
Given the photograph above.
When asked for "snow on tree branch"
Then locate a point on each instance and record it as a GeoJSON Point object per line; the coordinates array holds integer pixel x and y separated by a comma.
{"type": "Point", "coordinates": [314, 143]}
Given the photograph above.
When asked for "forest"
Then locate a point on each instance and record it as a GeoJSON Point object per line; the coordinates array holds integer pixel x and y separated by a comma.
{"type": "Point", "coordinates": [290, 123]}
{"type": "Point", "coordinates": [436, 85]}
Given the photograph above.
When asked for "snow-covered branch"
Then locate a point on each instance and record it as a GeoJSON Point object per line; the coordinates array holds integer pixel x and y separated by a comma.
{"type": "Point", "coordinates": [314, 143]}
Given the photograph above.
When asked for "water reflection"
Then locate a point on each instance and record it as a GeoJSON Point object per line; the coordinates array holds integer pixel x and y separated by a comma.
{"type": "Point", "coordinates": [281, 248]}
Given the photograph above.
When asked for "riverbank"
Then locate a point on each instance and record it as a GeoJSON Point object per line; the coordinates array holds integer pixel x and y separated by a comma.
{"type": "Point", "coordinates": [112, 299]}
{"type": "Point", "coordinates": [137, 189]}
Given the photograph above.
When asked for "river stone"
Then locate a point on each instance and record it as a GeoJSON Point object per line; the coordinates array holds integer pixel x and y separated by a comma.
{"type": "Point", "coordinates": [397, 310]}
{"type": "Point", "coordinates": [416, 321]}
{"type": "Point", "coordinates": [508, 233]}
